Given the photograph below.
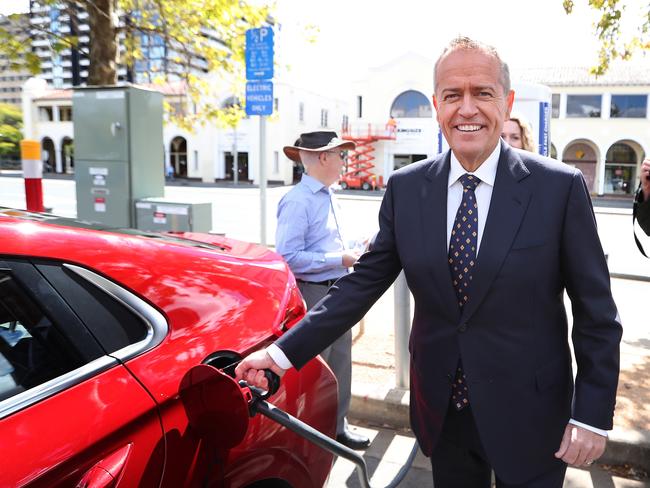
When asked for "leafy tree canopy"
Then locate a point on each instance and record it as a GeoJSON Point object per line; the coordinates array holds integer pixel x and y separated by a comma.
{"type": "Point", "coordinates": [613, 44]}
{"type": "Point", "coordinates": [10, 134]}
{"type": "Point", "coordinates": [197, 36]}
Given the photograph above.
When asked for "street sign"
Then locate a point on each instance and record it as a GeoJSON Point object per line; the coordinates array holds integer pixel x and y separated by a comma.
{"type": "Point", "coordinates": [259, 98]}
{"type": "Point", "coordinates": [259, 53]}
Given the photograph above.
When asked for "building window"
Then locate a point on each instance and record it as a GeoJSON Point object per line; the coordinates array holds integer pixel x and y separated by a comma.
{"type": "Point", "coordinates": [629, 106]}
{"type": "Point", "coordinates": [583, 105]}
{"type": "Point", "coordinates": [411, 103]}
{"type": "Point", "coordinates": [323, 117]}
{"type": "Point", "coordinates": [65, 114]}
{"type": "Point", "coordinates": [276, 161]}
{"type": "Point", "coordinates": [620, 169]}
{"type": "Point", "coordinates": [359, 106]}
{"type": "Point", "coordinates": [555, 105]}
{"type": "Point", "coordinates": [345, 124]}
{"type": "Point", "coordinates": [276, 104]}
{"type": "Point", "coordinates": [301, 112]}
{"type": "Point", "coordinates": [45, 114]}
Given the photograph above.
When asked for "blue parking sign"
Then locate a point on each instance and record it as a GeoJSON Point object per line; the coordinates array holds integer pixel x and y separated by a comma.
{"type": "Point", "coordinates": [259, 98]}
{"type": "Point", "coordinates": [259, 53]}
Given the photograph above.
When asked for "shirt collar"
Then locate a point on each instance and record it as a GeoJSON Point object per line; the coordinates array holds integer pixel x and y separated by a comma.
{"type": "Point", "coordinates": [312, 183]}
{"type": "Point", "coordinates": [486, 172]}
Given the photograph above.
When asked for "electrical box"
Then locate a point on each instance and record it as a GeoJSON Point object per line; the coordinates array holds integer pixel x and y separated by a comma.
{"type": "Point", "coordinates": [160, 215]}
{"type": "Point", "coordinates": [118, 136]}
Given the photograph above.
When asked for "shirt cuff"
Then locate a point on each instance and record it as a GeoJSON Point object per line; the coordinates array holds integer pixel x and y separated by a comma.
{"type": "Point", "coordinates": [588, 427]}
{"type": "Point", "coordinates": [334, 259]}
{"type": "Point", "coordinates": [279, 357]}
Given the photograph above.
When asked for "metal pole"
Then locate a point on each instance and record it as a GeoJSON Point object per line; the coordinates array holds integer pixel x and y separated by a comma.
{"type": "Point", "coordinates": [402, 330]}
{"type": "Point", "coordinates": [262, 177]}
{"type": "Point", "coordinates": [235, 158]}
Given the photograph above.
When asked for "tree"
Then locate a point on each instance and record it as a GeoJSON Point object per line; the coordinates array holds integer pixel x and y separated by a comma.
{"type": "Point", "coordinates": [608, 30]}
{"type": "Point", "coordinates": [194, 35]}
{"type": "Point", "coordinates": [11, 122]}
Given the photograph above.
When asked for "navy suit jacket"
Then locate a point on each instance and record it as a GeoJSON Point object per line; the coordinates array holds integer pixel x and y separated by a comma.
{"type": "Point", "coordinates": [540, 239]}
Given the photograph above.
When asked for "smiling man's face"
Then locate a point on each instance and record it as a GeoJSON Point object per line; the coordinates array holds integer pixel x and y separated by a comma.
{"type": "Point", "coordinates": [471, 105]}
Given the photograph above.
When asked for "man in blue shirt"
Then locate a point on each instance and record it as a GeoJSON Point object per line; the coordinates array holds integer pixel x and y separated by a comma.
{"type": "Point", "coordinates": [311, 239]}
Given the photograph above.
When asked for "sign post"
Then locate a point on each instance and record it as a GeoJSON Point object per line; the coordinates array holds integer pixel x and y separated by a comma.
{"type": "Point", "coordinates": [259, 99]}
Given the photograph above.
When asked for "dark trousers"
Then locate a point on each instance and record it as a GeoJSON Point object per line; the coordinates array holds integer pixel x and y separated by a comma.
{"type": "Point", "coordinates": [338, 356]}
{"type": "Point", "coordinates": [459, 460]}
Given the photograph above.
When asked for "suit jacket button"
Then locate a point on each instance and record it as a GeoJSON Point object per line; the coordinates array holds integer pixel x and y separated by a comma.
{"type": "Point", "coordinates": [462, 328]}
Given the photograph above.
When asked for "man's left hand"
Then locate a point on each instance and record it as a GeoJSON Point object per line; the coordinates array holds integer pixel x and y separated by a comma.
{"type": "Point", "coordinates": [580, 446]}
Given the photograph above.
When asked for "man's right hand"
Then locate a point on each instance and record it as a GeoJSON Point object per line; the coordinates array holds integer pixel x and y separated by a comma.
{"type": "Point", "coordinates": [251, 369]}
{"type": "Point", "coordinates": [349, 258]}
{"type": "Point", "coordinates": [645, 179]}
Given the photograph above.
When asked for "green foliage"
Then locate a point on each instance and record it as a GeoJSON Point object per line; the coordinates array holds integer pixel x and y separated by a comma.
{"type": "Point", "coordinates": [608, 30]}
{"type": "Point", "coordinates": [11, 122]}
{"type": "Point", "coordinates": [188, 27]}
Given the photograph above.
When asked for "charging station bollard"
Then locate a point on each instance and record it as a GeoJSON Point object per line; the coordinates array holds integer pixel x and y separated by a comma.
{"type": "Point", "coordinates": [30, 153]}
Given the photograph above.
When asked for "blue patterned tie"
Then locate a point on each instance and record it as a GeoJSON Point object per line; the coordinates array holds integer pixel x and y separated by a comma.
{"type": "Point", "coordinates": [462, 259]}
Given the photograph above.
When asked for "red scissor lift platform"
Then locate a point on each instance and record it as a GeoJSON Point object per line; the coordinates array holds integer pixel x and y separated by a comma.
{"type": "Point", "coordinates": [358, 170]}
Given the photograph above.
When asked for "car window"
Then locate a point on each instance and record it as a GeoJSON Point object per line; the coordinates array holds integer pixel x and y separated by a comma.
{"type": "Point", "coordinates": [113, 324]}
{"type": "Point", "coordinates": [32, 348]}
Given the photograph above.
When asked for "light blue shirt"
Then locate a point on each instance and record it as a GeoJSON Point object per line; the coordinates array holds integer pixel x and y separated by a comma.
{"type": "Point", "coordinates": [308, 233]}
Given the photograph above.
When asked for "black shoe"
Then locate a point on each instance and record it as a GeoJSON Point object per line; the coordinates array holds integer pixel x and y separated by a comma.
{"type": "Point", "coordinates": [353, 441]}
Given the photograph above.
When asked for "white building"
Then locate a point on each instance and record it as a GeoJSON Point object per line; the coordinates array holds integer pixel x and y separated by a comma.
{"type": "Point", "coordinates": [402, 90]}
{"type": "Point", "coordinates": [600, 124]}
{"type": "Point", "coordinates": [206, 153]}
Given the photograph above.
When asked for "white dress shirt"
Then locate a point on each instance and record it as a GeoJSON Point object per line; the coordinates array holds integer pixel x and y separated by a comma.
{"type": "Point", "coordinates": [487, 173]}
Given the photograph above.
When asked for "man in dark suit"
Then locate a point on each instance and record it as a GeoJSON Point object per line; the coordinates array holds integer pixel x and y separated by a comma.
{"type": "Point", "coordinates": [489, 239]}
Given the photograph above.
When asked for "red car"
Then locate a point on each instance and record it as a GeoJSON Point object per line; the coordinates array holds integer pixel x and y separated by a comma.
{"type": "Point", "coordinates": [100, 328]}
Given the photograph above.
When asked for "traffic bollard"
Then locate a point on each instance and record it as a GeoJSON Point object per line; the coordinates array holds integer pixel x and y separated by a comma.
{"type": "Point", "coordinates": [30, 153]}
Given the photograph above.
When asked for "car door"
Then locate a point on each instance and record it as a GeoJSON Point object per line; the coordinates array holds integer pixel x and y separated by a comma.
{"type": "Point", "coordinates": [70, 413]}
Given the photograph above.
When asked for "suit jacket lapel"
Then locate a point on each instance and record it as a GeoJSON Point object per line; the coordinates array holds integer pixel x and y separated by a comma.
{"type": "Point", "coordinates": [433, 213]}
{"type": "Point", "coordinates": [507, 208]}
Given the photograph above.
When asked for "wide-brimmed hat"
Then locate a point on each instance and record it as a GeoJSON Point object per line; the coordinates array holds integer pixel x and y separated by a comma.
{"type": "Point", "coordinates": [316, 142]}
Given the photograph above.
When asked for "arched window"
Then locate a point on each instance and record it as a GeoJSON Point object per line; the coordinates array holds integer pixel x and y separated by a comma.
{"type": "Point", "coordinates": [620, 169]}
{"type": "Point", "coordinates": [411, 103]}
{"type": "Point", "coordinates": [67, 155]}
{"type": "Point", "coordinates": [621, 153]}
{"type": "Point", "coordinates": [48, 155]}
{"type": "Point", "coordinates": [582, 155]}
{"type": "Point", "coordinates": [178, 156]}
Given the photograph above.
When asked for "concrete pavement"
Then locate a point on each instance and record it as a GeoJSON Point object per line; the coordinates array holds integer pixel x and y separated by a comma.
{"type": "Point", "coordinates": [390, 447]}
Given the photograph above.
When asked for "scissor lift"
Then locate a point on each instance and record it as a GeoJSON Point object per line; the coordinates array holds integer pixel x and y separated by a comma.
{"type": "Point", "coordinates": [358, 171]}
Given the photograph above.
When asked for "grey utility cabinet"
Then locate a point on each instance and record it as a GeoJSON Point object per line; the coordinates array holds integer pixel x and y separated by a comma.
{"type": "Point", "coordinates": [159, 215]}
{"type": "Point", "coordinates": [118, 137]}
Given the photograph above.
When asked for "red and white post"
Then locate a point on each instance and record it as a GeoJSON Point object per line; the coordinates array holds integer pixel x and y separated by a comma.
{"type": "Point", "coordinates": [30, 153]}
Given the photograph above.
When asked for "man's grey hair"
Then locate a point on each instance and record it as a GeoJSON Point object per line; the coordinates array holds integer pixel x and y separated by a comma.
{"type": "Point", "coordinates": [307, 158]}
{"type": "Point", "coordinates": [463, 42]}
